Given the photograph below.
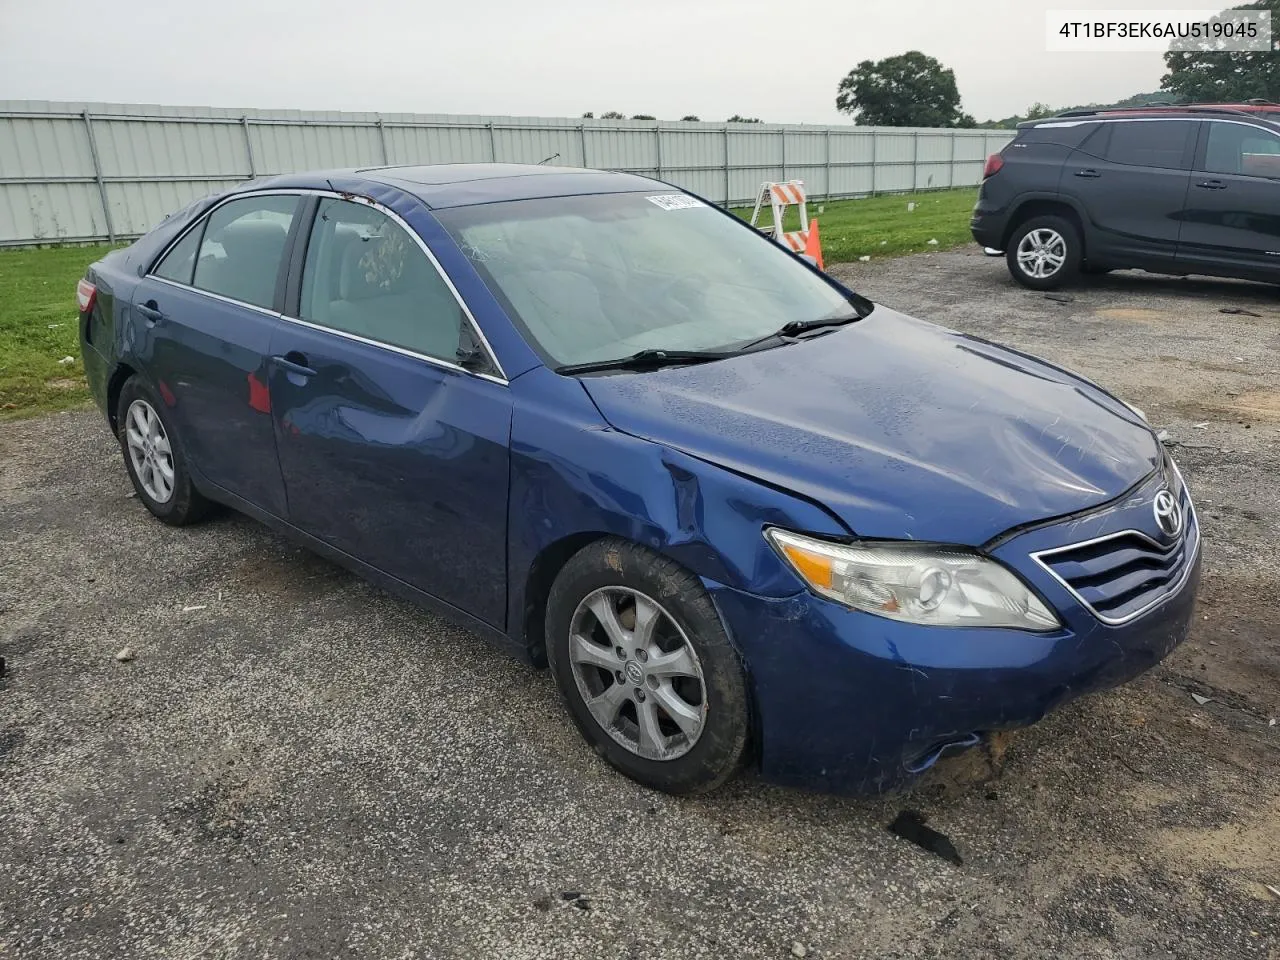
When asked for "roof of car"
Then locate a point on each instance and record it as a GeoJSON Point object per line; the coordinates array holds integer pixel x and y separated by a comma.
{"type": "Point", "coordinates": [1266, 113]}
{"type": "Point", "coordinates": [443, 185]}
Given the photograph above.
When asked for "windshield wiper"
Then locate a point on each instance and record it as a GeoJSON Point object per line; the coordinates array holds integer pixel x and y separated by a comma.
{"type": "Point", "coordinates": [793, 328]}
{"type": "Point", "coordinates": [648, 360]}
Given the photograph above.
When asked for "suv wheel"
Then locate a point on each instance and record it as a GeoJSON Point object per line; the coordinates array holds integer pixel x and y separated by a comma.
{"type": "Point", "coordinates": [1044, 253]}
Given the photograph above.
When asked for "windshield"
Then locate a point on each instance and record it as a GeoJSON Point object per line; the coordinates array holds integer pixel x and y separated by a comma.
{"type": "Point", "coordinates": [604, 276]}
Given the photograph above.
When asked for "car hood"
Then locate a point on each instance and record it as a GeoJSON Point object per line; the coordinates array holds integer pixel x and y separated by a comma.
{"type": "Point", "coordinates": [903, 429]}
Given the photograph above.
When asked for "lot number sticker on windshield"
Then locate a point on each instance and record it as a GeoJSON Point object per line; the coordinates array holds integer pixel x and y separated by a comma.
{"type": "Point", "coordinates": [675, 201]}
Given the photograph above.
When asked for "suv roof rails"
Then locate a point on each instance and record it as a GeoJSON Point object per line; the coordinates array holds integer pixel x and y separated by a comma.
{"type": "Point", "coordinates": [1170, 108]}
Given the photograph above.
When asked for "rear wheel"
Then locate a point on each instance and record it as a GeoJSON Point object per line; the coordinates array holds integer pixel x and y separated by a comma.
{"type": "Point", "coordinates": [646, 668]}
{"type": "Point", "coordinates": [153, 457]}
{"type": "Point", "coordinates": [1044, 253]}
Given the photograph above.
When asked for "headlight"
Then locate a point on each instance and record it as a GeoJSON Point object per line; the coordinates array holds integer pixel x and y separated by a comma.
{"type": "Point", "coordinates": [916, 583]}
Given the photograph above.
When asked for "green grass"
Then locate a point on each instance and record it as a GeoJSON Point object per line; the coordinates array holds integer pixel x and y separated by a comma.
{"type": "Point", "coordinates": [38, 327]}
{"type": "Point", "coordinates": [38, 307]}
{"type": "Point", "coordinates": [881, 226]}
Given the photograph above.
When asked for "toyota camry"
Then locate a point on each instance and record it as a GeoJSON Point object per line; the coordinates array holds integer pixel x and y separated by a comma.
{"type": "Point", "coordinates": [744, 514]}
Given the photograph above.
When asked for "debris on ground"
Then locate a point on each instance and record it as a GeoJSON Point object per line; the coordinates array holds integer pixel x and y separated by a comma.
{"type": "Point", "coordinates": [66, 360]}
{"type": "Point", "coordinates": [1274, 891]}
{"type": "Point", "coordinates": [1202, 426]}
{"type": "Point", "coordinates": [1060, 297]}
{"type": "Point", "coordinates": [909, 825]}
{"type": "Point", "coordinates": [195, 607]}
{"type": "Point", "coordinates": [582, 903]}
{"type": "Point", "coordinates": [864, 259]}
{"type": "Point", "coordinates": [933, 242]}
{"type": "Point", "coordinates": [125, 655]}
{"type": "Point", "coordinates": [1201, 700]}
{"type": "Point", "coordinates": [1162, 436]}
{"type": "Point", "coordinates": [1239, 311]}
{"type": "Point", "coordinates": [570, 894]}
{"type": "Point", "coordinates": [798, 949]}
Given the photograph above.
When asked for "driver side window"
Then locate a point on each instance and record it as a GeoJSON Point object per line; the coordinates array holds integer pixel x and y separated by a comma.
{"type": "Point", "coordinates": [364, 275]}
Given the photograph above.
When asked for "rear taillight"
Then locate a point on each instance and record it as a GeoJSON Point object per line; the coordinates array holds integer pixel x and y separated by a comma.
{"type": "Point", "coordinates": [994, 163]}
{"type": "Point", "coordinates": [86, 294]}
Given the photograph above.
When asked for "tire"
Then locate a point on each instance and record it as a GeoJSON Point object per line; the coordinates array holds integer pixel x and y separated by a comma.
{"type": "Point", "coordinates": [1054, 237]}
{"type": "Point", "coordinates": [153, 457]}
{"type": "Point", "coordinates": [667, 750]}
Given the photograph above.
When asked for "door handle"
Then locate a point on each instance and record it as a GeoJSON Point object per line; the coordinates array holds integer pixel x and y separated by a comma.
{"type": "Point", "coordinates": [294, 362]}
{"type": "Point", "coordinates": [1088, 174]}
{"type": "Point", "coordinates": [1211, 185]}
{"type": "Point", "coordinates": [150, 312]}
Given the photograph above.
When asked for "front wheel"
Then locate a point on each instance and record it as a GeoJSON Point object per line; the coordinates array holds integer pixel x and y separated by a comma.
{"type": "Point", "coordinates": [1044, 253]}
{"type": "Point", "coordinates": [646, 669]}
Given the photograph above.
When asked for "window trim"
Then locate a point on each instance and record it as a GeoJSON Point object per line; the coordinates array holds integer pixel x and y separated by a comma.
{"type": "Point", "coordinates": [288, 263]}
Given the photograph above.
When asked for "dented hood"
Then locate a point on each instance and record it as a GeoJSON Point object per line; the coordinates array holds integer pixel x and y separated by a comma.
{"type": "Point", "coordinates": [901, 428]}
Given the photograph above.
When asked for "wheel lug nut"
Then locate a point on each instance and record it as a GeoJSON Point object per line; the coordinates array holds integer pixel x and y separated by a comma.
{"type": "Point", "coordinates": [642, 655]}
{"type": "Point", "coordinates": [622, 654]}
{"type": "Point", "coordinates": [653, 682]}
{"type": "Point", "coordinates": [619, 677]}
{"type": "Point", "coordinates": [639, 694]}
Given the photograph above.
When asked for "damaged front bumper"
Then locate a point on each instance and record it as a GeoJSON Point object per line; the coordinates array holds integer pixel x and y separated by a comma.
{"type": "Point", "coordinates": [850, 702]}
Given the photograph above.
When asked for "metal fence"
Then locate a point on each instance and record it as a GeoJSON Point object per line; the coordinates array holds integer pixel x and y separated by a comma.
{"type": "Point", "coordinates": [75, 172]}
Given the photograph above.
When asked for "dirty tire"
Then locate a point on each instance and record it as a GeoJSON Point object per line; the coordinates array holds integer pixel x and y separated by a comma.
{"type": "Point", "coordinates": [719, 749]}
{"type": "Point", "coordinates": [185, 505]}
{"type": "Point", "coordinates": [1070, 268]}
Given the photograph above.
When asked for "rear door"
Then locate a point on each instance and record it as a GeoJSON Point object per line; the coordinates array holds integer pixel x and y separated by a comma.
{"type": "Point", "coordinates": [1232, 222]}
{"type": "Point", "coordinates": [393, 451]}
{"type": "Point", "coordinates": [207, 312]}
{"type": "Point", "coordinates": [1131, 179]}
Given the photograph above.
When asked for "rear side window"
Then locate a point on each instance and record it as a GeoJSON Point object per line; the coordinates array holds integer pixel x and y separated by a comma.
{"type": "Point", "coordinates": [1243, 150]}
{"type": "Point", "coordinates": [1151, 143]}
{"type": "Point", "coordinates": [242, 247]}
{"type": "Point", "coordinates": [179, 263]}
{"type": "Point", "coordinates": [366, 276]}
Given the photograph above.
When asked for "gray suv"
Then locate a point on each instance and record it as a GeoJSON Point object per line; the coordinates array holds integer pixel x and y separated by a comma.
{"type": "Point", "coordinates": [1180, 190]}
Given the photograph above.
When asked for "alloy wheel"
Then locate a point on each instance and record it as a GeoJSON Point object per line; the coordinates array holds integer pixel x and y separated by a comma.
{"type": "Point", "coordinates": [637, 672]}
{"type": "Point", "coordinates": [1041, 253]}
{"type": "Point", "coordinates": [149, 451]}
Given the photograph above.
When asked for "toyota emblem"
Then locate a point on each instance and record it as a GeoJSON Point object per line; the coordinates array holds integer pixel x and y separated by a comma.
{"type": "Point", "coordinates": [1168, 516]}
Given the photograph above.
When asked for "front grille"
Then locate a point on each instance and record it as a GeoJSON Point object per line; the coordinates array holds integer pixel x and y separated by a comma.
{"type": "Point", "coordinates": [1121, 576]}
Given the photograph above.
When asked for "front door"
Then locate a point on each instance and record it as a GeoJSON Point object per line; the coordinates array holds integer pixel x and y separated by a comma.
{"type": "Point", "coordinates": [1233, 212]}
{"type": "Point", "coordinates": [208, 311]}
{"type": "Point", "coordinates": [390, 450]}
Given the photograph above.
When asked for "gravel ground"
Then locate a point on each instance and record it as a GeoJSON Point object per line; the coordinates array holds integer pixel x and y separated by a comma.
{"type": "Point", "coordinates": [296, 765]}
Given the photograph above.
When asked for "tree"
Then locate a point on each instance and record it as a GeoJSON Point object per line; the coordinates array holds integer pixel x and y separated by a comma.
{"type": "Point", "coordinates": [690, 116]}
{"type": "Point", "coordinates": [588, 115]}
{"type": "Point", "coordinates": [909, 90]}
{"type": "Point", "coordinates": [642, 116]}
{"type": "Point", "coordinates": [738, 118]}
{"type": "Point", "coordinates": [613, 115]}
{"type": "Point", "coordinates": [1208, 74]}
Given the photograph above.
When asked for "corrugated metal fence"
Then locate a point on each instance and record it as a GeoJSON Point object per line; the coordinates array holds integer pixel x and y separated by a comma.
{"type": "Point", "coordinates": [93, 171]}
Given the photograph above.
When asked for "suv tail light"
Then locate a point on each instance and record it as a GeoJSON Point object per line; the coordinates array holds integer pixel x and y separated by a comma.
{"type": "Point", "coordinates": [86, 294]}
{"type": "Point", "coordinates": [994, 163]}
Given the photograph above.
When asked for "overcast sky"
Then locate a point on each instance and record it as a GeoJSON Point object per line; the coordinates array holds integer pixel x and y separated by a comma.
{"type": "Point", "coordinates": [712, 58]}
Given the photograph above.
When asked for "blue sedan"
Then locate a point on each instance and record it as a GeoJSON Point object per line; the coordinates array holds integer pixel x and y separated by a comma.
{"type": "Point", "coordinates": [743, 513]}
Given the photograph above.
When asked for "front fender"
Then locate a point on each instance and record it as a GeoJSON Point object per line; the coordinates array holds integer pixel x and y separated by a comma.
{"type": "Point", "coordinates": [573, 475]}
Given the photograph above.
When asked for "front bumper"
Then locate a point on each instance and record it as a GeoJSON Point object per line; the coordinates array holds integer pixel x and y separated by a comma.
{"type": "Point", "coordinates": [850, 702]}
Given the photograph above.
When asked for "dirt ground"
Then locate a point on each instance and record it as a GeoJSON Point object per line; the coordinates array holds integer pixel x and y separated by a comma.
{"type": "Point", "coordinates": [296, 765]}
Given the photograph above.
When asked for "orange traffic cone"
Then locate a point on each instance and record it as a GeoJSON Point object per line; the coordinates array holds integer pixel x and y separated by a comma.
{"type": "Point", "coordinates": [812, 245]}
